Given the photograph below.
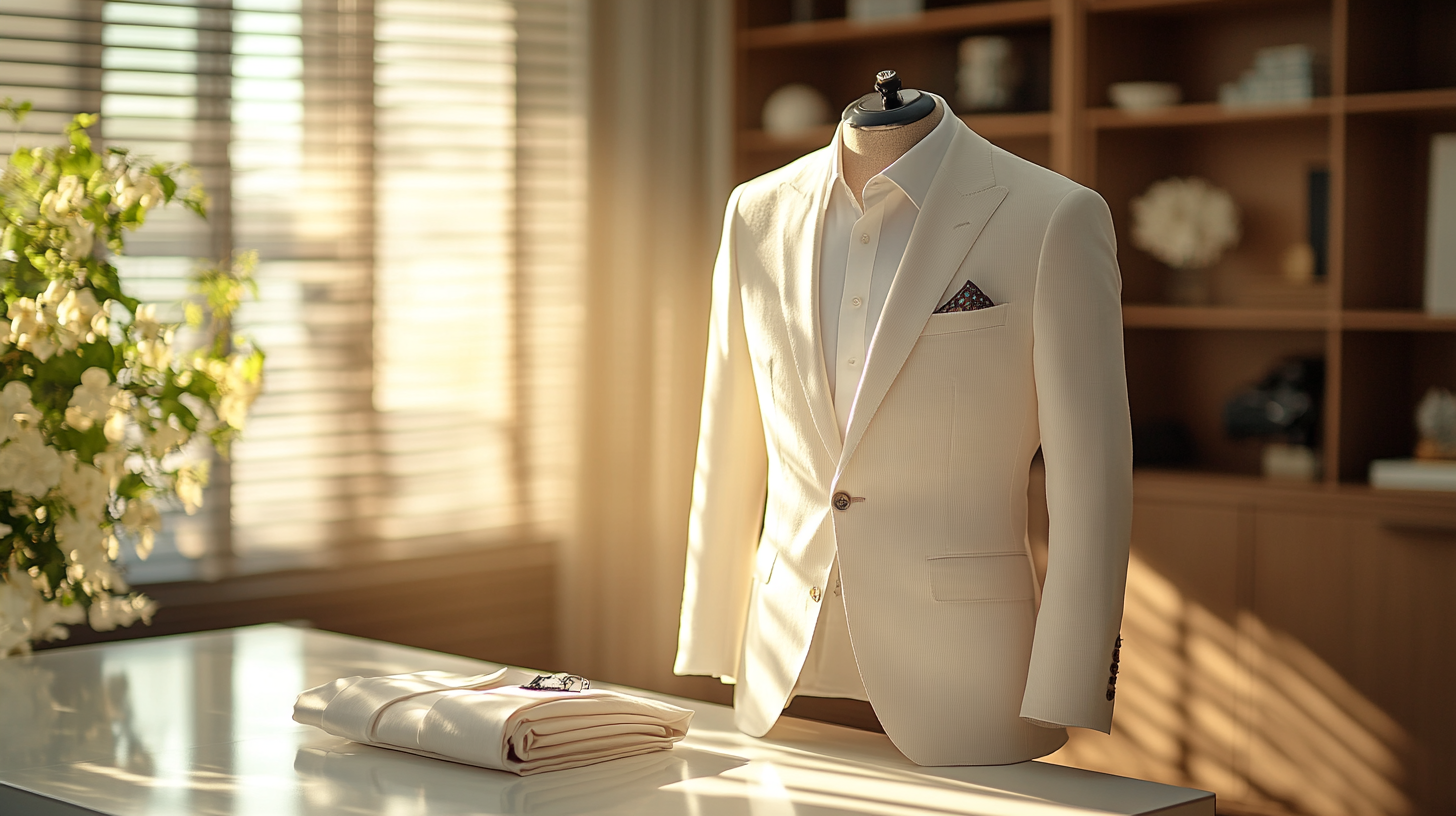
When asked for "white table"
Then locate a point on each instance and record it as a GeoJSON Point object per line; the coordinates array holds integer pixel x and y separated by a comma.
{"type": "Point", "coordinates": [200, 724]}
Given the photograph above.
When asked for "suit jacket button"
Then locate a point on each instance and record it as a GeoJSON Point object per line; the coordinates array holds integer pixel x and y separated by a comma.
{"type": "Point", "coordinates": [815, 594]}
{"type": "Point", "coordinates": [841, 500]}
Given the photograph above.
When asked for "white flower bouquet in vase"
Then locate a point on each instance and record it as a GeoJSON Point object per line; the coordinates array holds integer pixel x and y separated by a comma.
{"type": "Point", "coordinates": [103, 406]}
{"type": "Point", "coordinates": [1187, 224]}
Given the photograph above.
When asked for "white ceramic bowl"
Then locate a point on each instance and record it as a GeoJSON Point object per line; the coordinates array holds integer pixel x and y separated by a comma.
{"type": "Point", "coordinates": [1141, 97]}
{"type": "Point", "coordinates": [793, 109]}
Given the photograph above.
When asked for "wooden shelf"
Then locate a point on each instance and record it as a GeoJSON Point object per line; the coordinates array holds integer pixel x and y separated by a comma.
{"type": "Point", "coordinates": [1157, 316]}
{"type": "Point", "coordinates": [1205, 113]}
{"type": "Point", "coordinates": [989, 125]}
{"type": "Point", "coordinates": [1192, 485]}
{"type": "Point", "coordinates": [1438, 99]}
{"type": "Point", "coordinates": [1152, 316]}
{"type": "Point", "coordinates": [1101, 6]}
{"type": "Point", "coordinates": [829, 32]}
{"type": "Point", "coordinates": [1396, 320]}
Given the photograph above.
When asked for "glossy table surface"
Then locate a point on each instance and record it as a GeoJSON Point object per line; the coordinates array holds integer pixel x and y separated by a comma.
{"type": "Point", "coordinates": [201, 724]}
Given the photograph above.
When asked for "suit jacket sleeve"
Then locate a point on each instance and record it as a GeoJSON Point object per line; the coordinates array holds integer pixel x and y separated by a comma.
{"type": "Point", "coordinates": [728, 485]}
{"type": "Point", "coordinates": [1086, 439]}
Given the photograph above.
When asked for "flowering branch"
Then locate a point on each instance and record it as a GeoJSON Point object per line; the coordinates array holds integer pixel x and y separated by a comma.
{"type": "Point", "coordinates": [98, 399]}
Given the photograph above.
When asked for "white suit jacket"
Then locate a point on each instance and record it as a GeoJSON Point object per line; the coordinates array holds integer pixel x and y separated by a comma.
{"type": "Point", "coordinates": [958, 648]}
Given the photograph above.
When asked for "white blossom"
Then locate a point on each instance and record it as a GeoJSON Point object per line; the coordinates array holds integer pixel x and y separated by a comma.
{"type": "Point", "coordinates": [136, 187]}
{"type": "Point", "coordinates": [144, 520]}
{"type": "Point", "coordinates": [189, 484]}
{"type": "Point", "coordinates": [112, 464]}
{"type": "Point", "coordinates": [86, 488]}
{"type": "Point", "coordinates": [165, 438]}
{"type": "Point", "coordinates": [28, 465]}
{"type": "Point", "coordinates": [154, 340]}
{"type": "Point", "coordinates": [237, 392]}
{"type": "Point", "coordinates": [80, 237]}
{"type": "Point", "coordinates": [1186, 223]}
{"type": "Point", "coordinates": [107, 612]}
{"type": "Point", "coordinates": [91, 400]}
{"type": "Point", "coordinates": [63, 205]}
{"type": "Point", "coordinates": [77, 311]}
{"type": "Point", "coordinates": [16, 411]}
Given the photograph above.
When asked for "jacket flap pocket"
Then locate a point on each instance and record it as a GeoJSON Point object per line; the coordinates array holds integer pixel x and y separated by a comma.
{"type": "Point", "coordinates": [980, 577]}
{"type": "Point", "coordinates": [768, 555]}
{"type": "Point", "coordinates": [967, 321]}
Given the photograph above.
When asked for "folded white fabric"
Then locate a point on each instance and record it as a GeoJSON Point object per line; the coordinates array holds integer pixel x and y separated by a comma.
{"type": "Point", "coordinates": [491, 721]}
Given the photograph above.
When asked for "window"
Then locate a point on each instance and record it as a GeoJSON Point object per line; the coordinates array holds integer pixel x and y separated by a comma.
{"type": "Point", "coordinates": [411, 173]}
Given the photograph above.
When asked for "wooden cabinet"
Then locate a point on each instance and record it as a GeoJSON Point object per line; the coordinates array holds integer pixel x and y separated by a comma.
{"type": "Point", "coordinates": [1289, 646]}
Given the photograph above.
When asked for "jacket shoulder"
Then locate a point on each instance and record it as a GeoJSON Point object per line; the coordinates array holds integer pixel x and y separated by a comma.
{"type": "Point", "coordinates": [1032, 180]}
{"type": "Point", "coordinates": [799, 174]}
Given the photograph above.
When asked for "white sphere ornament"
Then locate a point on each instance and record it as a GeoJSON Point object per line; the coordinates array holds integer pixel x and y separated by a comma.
{"type": "Point", "coordinates": [1186, 223]}
{"type": "Point", "coordinates": [794, 109]}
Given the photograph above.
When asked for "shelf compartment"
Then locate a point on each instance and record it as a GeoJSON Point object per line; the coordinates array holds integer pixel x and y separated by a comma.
{"type": "Point", "coordinates": [935, 21]}
{"type": "Point", "coordinates": [1190, 375]}
{"type": "Point", "coordinates": [1200, 52]}
{"type": "Point", "coordinates": [1387, 161]}
{"type": "Point", "coordinates": [1400, 102]}
{"type": "Point", "coordinates": [1384, 375]}
{"type": "Point", "coordinates": [1141, 316]}
{"type": "Point", "coordinates": [1400, 45]}
{"type": "Point", "coordinates": [1264, 165]}
{"type": "Point", "coordinates": [1205, 113]}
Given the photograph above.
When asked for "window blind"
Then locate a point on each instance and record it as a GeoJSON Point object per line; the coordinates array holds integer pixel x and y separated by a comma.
{"type": "Point", "coordinates": [411, 173]}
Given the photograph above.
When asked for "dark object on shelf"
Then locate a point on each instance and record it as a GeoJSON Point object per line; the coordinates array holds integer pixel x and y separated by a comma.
{"type": "Point", "coordinates": [888, 106]}
{"type": "Point", "coordinates": [1319, 218]}
{"type": "Point", "coordinates": [1162, 443]}
{"type": "Point", "coordinates": [1285, 404]}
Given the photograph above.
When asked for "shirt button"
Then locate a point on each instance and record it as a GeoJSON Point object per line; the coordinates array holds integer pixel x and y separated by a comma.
{"type": "Point", "coordinates": [853, 361]}
{"type": "Point", "coordinates": [864, 237]}
{"type": "Point", "coordinates": [814, 594]}
{"type": "Point", "coordinates": [856, 302]}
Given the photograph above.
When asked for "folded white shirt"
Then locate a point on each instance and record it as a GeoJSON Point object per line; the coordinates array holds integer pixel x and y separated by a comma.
{"type": "Point", "coordinates": [491, 721]}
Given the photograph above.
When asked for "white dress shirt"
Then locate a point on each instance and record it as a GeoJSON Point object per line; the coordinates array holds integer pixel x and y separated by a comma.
{"type": "Point", "coordinates": [859, 257]}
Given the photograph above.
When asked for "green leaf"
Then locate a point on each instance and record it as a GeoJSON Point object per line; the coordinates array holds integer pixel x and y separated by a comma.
{"type": "Point", "coordinates": [132, 486]}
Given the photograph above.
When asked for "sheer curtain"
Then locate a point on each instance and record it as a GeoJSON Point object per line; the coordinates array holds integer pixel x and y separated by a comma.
{"type": "Point", "coordinates": [412, 173]}
{"type": "Point", "coordinates": [660, 131]}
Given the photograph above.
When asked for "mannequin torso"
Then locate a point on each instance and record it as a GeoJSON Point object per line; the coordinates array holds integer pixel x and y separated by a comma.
{"type": "Point", "coordinates": [867, 151]}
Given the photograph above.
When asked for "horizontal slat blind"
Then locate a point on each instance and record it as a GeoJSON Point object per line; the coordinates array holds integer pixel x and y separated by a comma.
{"type": "Point", "coordinates": [415, 195]}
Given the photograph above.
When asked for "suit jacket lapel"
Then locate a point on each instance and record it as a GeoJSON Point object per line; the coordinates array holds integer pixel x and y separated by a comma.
{"type": "Point", "coordinates": [959, 203]}
{"type": "Point", "coordinates": [800, 289]}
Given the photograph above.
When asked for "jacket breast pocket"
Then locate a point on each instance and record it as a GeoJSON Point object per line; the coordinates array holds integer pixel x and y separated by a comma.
{"type": "Point", "coordinates": [971, 577]}
{"type": "Point", "coordinates": [953, 322]}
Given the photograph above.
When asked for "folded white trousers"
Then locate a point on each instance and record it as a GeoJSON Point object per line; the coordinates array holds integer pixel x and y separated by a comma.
{"type": "Point", "coordinates": [490, 721]}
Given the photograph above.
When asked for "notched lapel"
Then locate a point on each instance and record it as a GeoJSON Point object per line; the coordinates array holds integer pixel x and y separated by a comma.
{"type": "Point", "coordinates": [801, 201]}
{"type": "Point", "coordinates": [960, 202]}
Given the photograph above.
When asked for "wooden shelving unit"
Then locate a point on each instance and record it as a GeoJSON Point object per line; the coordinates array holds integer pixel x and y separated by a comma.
{"type": "Point", "coordinates": [1303, 560]}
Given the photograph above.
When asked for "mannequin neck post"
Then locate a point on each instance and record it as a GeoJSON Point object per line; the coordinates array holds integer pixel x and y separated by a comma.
{"type": "Point", "coordinates": [868, 151]}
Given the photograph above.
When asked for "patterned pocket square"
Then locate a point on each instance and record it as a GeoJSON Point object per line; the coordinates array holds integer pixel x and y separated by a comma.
{"type": "Point", "coordinates": [968, 299]}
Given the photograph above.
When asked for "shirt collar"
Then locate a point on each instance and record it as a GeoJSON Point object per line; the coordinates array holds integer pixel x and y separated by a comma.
{"type": "Point", "coordinates": [912, 172]}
